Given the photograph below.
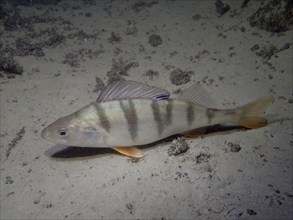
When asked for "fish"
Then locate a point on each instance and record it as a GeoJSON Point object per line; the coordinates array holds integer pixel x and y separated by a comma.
{"type": "Point", "coordinates": [127, 114]}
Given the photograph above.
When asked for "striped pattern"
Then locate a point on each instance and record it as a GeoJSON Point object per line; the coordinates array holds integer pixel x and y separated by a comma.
{"type": "Point", "coordinates": [130, 115]}
{"type": "Point", "coordinates": [163, 118]}
{"type": "Point", "coordinates": [189, 114]}
{"type": "Point", "coordinates": [141, 119]}
{"type": "Point", "coordinates": [104, 120]}
{"type": "Point", "coordinates": [210, 113]}
{"type": "Point", "coordinates": [169, 109]}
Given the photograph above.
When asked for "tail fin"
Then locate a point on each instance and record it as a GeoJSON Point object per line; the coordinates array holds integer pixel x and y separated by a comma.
{"type": "Point", "coordinates": [251, 114]}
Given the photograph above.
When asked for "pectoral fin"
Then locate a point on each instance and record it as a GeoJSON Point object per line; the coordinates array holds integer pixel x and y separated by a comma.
{"type": "Point", "coordinates": [129, 151]}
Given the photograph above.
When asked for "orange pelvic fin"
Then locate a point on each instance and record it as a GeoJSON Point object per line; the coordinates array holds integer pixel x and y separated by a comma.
{"type": "Point", "coordinates": [129, 151]}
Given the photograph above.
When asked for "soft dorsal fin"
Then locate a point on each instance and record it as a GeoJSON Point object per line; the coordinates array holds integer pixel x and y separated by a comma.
{"type": "Point", "coordinates": [196, 94]}
{"type": "Point", "coordinates": [131, 90]}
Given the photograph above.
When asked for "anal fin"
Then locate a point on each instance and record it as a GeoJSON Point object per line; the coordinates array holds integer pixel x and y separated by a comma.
{"type": "Point", "coordinates": [253, 122]}
{"type": "Point", "coordinates": [129, 151]}
{"type": "Point", "coordinates": [194, 133]}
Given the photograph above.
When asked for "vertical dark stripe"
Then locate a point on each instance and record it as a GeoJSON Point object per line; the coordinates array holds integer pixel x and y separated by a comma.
{"type": "Point", "coordinates": [157, 116]}
{"type": "Point", "coordinates": [131, 117]}
{"type": "Point", "coordinates": [169, 108]}
{"type": "Point", "coordinates": [190, 114]}
{"type": "Point", "coordinates": [104, 120]}
{"type": "Point", "coordinates": [210, 114]}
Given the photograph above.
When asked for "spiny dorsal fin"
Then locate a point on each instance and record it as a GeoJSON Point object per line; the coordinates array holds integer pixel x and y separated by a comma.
{"type": "Point", "coordinates": [196, 94]}
{"type": "Point", "coordinates": [131, 90]}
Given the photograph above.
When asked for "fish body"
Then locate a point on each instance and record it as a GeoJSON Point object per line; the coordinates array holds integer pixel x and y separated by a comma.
{"type": "Point", "coordinates": [128, 113]}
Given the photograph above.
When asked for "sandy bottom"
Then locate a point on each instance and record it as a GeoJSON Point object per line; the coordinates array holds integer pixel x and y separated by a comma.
{"type": "Point", "coordinates": [54, 58]}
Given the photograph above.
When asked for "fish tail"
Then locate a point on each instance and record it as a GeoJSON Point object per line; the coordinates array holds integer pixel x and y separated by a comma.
{"type": "Point", "coordinates": [251, 114]}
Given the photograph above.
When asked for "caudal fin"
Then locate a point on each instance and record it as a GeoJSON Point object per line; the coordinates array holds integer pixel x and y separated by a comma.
{"type": "Point", "coordinates": [251, 114]}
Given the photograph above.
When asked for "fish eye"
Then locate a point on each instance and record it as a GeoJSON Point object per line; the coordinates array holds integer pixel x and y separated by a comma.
{"type": "Point", "coordinates": [63, 132]}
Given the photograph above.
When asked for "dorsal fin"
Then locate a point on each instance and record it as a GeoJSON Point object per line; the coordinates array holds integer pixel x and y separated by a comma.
{"type": "Point", "coordinates": [196, 94]}
{"type": "Point", "coordinates": [131, 90]}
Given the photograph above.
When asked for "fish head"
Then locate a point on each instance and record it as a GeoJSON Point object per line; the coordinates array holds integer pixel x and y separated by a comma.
{"type": "Point", "coordinates": [72, 131]}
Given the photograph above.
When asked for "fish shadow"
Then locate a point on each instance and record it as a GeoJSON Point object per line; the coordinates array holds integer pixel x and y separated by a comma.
{"type": "Point", "coordinates": [70, 152]}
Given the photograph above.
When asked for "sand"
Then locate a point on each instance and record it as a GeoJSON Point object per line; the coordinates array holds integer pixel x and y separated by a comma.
{"type": "Point", "coordinates": [56, 56]}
